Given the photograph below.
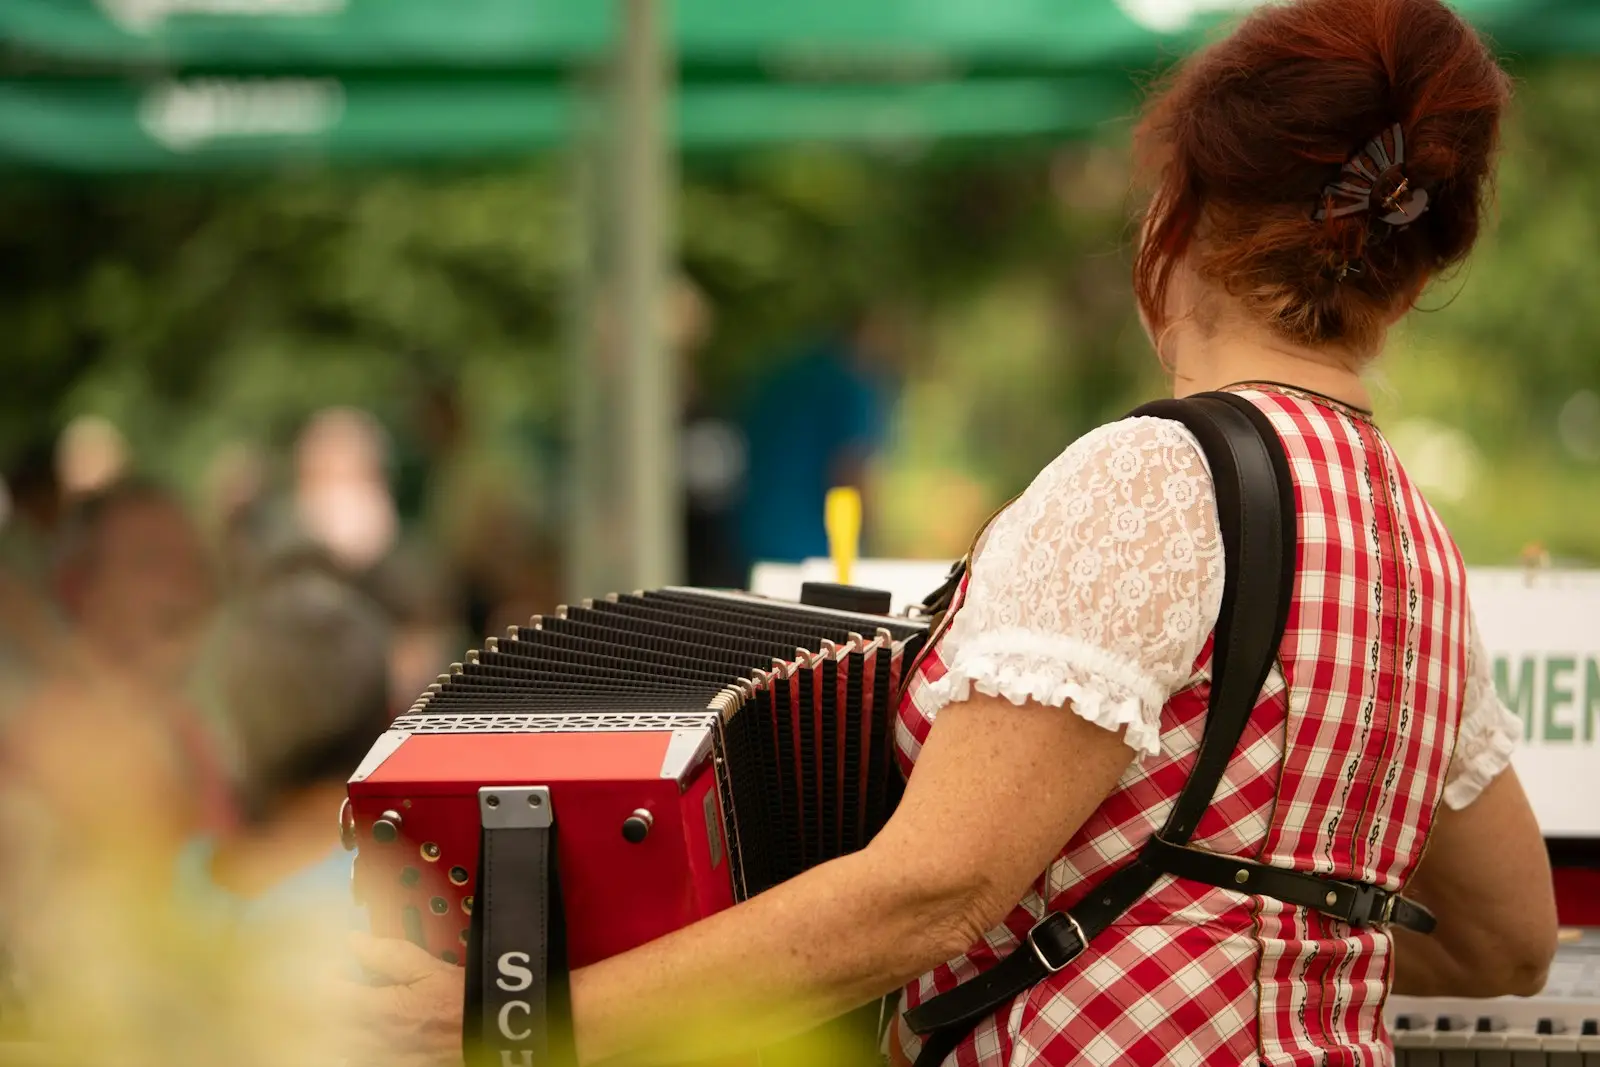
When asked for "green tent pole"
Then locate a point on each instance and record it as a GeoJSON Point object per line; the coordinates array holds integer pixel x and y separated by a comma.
{"type": "Point", "coordinates": [649, 383]}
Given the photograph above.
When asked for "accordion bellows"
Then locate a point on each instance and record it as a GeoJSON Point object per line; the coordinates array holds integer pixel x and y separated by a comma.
{"type": "Point", "coordinates": [698, 748]}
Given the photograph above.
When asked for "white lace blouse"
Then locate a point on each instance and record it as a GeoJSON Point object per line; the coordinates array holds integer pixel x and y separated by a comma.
{"type": "Point", "coordinates": [1100, 585]}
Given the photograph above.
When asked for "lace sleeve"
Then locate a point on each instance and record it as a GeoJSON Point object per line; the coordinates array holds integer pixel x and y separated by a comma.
{"type": "Point", "coordinates": [1488, 732]}
{"type": "Point", "coordinates": [1098, 586]}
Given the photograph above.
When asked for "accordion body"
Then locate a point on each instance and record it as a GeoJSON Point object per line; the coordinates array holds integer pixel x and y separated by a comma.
{"type": "Point", "coordinates": [689, 749]}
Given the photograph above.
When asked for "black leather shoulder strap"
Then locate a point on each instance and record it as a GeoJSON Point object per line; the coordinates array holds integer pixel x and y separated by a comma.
{"type": "Point", "coordinates": [1257, 515]}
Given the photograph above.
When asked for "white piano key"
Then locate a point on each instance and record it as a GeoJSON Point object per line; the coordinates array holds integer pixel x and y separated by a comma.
{"type": "Point", "coordinates": [1489, 1049]}
{"type": "Point", "coordinates": [1414, 1048]}
{"type": "Point", "coordinates": [1526, 1050]}
{"type": "Point", "coordinates": [1563, 1050]}
{"type": "Point", "coordinates": [1454, 1048]}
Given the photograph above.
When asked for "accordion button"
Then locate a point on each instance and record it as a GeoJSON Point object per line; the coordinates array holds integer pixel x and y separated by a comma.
{"type": "Point", "coordinates": [637, 825]}
{"type": "Point", "coordinates": [387, 828]}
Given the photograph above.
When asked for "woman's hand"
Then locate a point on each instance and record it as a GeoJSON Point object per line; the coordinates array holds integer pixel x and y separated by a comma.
{"type": "Point", "coordinates": [409, 1012]}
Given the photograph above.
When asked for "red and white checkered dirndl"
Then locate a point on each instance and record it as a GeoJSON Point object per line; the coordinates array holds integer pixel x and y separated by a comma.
{"type": "Point", "coordinates": [1339, 772]}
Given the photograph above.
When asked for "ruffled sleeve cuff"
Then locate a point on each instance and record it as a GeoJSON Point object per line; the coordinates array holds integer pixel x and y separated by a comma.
{"type": "Point", "coordinates": [1055, 671]}
{"type": "Point", "coordinates": [1480, 758]}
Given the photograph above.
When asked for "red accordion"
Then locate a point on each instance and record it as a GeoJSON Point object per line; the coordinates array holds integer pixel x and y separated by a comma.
{"type": "Point", "coordinates": [603, 777]}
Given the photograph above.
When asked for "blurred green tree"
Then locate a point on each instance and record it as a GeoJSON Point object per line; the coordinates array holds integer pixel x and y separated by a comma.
{"type": "Point", "coordinates": [194, 313]}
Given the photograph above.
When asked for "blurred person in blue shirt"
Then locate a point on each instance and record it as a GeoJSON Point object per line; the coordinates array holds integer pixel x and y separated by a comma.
{"type": "Point", "coordinates": [815, 423]}
{"type": "Point", "coordinates": [298, 671]}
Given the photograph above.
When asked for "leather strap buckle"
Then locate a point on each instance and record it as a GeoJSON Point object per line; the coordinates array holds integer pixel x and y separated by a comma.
{"type": "Point", "coordinates": [1372, 906]}
{"type": "Point", "coordinates": [1038, 950]}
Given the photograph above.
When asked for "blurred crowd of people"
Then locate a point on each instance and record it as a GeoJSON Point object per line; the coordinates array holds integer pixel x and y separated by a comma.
{"type": "Point", "coordinates": [185, 687]}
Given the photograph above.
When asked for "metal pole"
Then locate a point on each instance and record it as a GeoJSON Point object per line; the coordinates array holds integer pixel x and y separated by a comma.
{"type": "Point", "coordinates": [650, 412]}
{"type": "Point", "coordinates": [590, 482]}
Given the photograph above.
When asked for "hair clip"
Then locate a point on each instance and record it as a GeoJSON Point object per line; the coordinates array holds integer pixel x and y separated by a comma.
{"type": "Point", "coordinates": [1352, 193]}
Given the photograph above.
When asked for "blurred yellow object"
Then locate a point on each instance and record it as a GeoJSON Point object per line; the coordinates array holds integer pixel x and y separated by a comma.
{"type": "Point", "coordinates": [842, 517]}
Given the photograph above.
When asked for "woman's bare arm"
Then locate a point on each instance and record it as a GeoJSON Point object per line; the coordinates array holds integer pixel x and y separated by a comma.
{"type": "Point", "coordinates": [998, 791]}
{"type": "Point", "coordinates": [1486, 876]}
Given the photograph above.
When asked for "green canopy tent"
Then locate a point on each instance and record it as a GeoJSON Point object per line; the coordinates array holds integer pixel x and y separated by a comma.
{"type": "Point", "coordinates": [127, 86]}
{"type": "Point", "coordinates": [848, 35]}
{"type": "Point", "coordinates": [141, 85]}
{"type": "Point", "coordinates": [117, 126]}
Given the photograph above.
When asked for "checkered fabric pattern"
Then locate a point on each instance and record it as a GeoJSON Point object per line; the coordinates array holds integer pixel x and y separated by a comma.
{"type": "Point", "coordinates": [1339, 772]}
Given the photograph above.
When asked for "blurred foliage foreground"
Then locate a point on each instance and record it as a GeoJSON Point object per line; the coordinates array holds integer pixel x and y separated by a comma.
{"type": "Point", "coordinates": [201, 315]}
{"type": "Point", "coordinates": [131, 981]}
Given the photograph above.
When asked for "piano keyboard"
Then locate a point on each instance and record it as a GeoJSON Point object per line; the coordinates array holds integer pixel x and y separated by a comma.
{"type": "Point", "coordinates": [1558, 1028]}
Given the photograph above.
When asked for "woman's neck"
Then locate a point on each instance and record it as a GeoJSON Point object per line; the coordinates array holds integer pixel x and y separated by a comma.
{"type": "Point", "coordinates": [1219, 361]}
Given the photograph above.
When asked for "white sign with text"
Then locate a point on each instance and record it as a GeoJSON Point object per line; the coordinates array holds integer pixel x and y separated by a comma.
{"type": "Point", "coordinates": [1543, 633]}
